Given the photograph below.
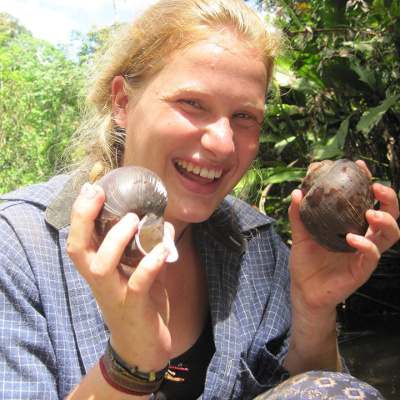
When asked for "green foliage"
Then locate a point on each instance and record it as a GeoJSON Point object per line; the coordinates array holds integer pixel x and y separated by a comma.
{"type": "Point", "coordinates": [39, 105]}
{"type": "Point", "coordinates": [336, 95]}
{"type": "Point", "coordinates": [337, 92]}
{"type": "Point", "coordinates": [92, 44]}
{"type": "Point", "coordinates": [39, 100]}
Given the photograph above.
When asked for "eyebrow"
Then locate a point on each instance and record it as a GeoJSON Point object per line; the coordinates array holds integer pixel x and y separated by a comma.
{"type": "Point", "coordinates": [256, 106]}
{"type": "Point", "coordinates": [197, 90]}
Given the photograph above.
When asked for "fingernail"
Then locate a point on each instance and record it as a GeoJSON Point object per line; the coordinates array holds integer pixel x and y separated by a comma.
{"type": "Point", "coordinates": [372, 213]}
{"type": "Point", "coordinates": [375, 214]}
{"type": "Point", "coordinates": [355, 238]}
{"type": "Point", "coordinates": [88, 191]}
{"type": "Point", "coordinates": [378, 214]}
{"type": "Point", "coordinates": [160, 249]}
{"type": "Point", "coordinates": [131, 218]}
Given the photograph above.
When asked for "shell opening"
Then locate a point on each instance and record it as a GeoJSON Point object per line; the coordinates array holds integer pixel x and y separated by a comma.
{"type": "Point", "coordinates": [152, 231]}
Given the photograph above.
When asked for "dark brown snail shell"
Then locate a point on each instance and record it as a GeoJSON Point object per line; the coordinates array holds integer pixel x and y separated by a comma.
{"type": "Point", "coordinates": [141, 191]}
{"type": "Point", "coordinates": [336, 198]}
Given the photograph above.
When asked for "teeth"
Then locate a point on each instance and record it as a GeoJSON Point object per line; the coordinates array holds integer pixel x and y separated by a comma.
{"type": "Point", "coordinates": [203, 172]}
{"type": "Point", "coordinates": [211, 174]}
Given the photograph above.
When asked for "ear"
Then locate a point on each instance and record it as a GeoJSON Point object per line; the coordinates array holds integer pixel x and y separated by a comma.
{"type": "Point", "coordinates": [119, 101]}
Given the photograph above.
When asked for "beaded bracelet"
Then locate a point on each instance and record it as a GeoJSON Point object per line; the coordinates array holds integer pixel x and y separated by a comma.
{"type": "Point", "coordinates": [127, 379]}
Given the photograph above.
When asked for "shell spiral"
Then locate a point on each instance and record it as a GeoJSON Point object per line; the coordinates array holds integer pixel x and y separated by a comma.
{"type": "Point", "coordinates": [133, 189]}
{"type": "Point", "coordinates": [336, 198]}
{"type": "Point", "coordinates": [138, 190]}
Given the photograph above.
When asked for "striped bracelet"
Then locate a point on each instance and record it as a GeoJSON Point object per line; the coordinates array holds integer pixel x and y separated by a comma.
{"type": "Point", "coordinates": [127, 379]}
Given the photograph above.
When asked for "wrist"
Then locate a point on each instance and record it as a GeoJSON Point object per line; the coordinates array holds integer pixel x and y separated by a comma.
{"type": "Point", "coordinates": [145, 358]}
{"type": "Point", "coordinates": [313, 309]}
{"type": "Point", "coordinates": [313, 341]}
{"type": "Point", "coordinates": [128, 379]}
{"type": "Point", "coordinates": [316, 324]}
{"type": "Point", "coordinates": [151, 375]}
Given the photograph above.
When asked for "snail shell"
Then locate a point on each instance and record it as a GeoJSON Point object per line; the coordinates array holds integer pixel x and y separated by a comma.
{"type": "Point", "coordinates": [141, 191]}
{"type": "Point", "coordinates": [336, 198]}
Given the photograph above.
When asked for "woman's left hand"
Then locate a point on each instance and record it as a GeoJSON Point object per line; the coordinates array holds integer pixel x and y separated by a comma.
{"type": "Point", "coordinates": [322, 279]}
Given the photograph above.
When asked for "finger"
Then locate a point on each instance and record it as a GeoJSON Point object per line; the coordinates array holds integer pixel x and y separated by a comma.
{"type": "Point", "coordinates": [84, 211]}
{"type": "Point", "coordinates": [105, 262]}
{"type": "Point", "coordinates": [363, 165]}
{"type": "Point", "coordinates": [388, 199]}
{"type": "Point", "coordinates": [366, 260]}
{"type": "Point", "coordinates": [145, 274]}
{"type": "Point", "coordinates": [298, 229]}
{"type": "Point", "coordinates": [385, 231]}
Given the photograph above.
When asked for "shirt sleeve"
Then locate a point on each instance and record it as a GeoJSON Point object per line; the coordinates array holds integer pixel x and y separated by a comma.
{"type": "Point", "coordinates": [27, 360]}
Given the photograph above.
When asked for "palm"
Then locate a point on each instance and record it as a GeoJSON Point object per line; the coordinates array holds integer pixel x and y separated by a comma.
{"type": "Point", "coordinates": [327, 278]}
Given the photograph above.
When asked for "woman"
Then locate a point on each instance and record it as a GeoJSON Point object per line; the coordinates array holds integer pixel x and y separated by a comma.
{"type": "Point", "coordinates": [180, 92]}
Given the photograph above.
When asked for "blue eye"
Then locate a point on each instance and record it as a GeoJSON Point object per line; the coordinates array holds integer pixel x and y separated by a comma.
{"type": "Point", "coordinates": [243, 115]}
{"type": "Point", "coordinates": [192, 103]}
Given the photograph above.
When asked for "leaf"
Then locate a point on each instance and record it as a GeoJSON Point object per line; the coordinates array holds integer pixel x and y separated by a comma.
{"type": "Point", "coordinates": [286, 175]}
{"type": "Point", "coordinates": [372, 116]}
{"type": "Point", "coordinates": [366, 75]}
{"type": "Point", "coordinates": [286, 78]}
{"type": "Point", "coordinates": [334, 146]}
{"type": "Point", "coordinates": [256, 178]}
{"type": "Point", "coordinates": [283, 143]}
{"type": "Point", "coordinates": [365, 47]}
{"type": "Point", "coordinates": [395, 9]}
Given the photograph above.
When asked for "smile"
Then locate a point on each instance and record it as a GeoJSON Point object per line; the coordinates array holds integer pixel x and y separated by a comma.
{"type": "Point", "coordinates": [200, 171]}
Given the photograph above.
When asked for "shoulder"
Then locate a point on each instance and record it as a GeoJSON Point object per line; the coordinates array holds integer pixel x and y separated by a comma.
{"type": "Point", "coordinates": [24, 233]}
{"type": "Point", "coordinates": [38, 195]}
{"type": "Point", "coordinates": [51, 201]}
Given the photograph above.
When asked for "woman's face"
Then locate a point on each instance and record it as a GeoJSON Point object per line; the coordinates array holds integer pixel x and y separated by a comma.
{"type": "Point", "coordinates": [196, 124]}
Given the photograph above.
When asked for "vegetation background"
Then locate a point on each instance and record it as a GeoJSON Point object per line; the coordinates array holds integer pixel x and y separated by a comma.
{"type": "Point", "coordinates": [336, 95]}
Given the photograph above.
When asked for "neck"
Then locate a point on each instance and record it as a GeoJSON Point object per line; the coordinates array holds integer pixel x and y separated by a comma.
{"type": "Point", "coordinates": [182, 229]}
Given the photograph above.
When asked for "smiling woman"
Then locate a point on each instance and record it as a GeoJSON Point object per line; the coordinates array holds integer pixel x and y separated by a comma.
{"type": "Point", "coordinates": [181, 92]}
{"type": "Point", "coordinates": [214, 130]}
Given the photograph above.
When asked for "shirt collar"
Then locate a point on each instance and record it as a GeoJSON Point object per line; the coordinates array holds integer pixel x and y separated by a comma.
{"type": "Point", "coordinates": [228, 225]}
{"type": "Point", "coordinates": [233, 221]}
{"type": "Point", "coordinates": [58, 212]}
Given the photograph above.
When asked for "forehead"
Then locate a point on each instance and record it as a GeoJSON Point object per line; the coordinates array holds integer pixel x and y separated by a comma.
{"type": "Point", "coordinates": [223, 40]}
{"type": "Point", "coordinates": [223, 54]}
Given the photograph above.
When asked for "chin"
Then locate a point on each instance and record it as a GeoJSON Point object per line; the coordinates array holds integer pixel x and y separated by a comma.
{"type": "Point", "coordinates": [191, 215]}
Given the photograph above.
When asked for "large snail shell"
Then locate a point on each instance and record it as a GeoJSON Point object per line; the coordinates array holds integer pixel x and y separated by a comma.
{"type": "Point", "coordinates": [141, 191]}
{"type": "Point", "coordinates": [337, 196]}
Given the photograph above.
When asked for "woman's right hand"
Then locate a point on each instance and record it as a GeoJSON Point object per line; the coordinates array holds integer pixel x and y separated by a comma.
{"type": "Point", "coordinates": [134, 304]}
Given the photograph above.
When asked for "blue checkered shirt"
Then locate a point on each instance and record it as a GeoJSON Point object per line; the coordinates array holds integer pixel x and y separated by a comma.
{"type": "Point", "coordinates": [52, 331]}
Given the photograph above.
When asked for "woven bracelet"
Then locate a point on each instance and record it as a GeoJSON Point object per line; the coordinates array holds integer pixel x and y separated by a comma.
{"type": "Point", "coordinates": [126, 379]}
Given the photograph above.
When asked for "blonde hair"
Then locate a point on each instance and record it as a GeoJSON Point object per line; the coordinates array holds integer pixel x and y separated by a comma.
{"type": "Point", "coordinates": [140, 50]}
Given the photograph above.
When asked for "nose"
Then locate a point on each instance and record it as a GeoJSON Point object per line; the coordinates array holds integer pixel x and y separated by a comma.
{"type": "Point", "coordinates": [219, 138]}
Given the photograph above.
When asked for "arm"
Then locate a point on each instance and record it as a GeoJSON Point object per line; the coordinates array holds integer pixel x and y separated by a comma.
{"type": "Point", "coordinates": [27, 359]}
{"type": "Point", "coordinates": [321, 280]}
{"type": "Point", "coordinates": [134, 306]}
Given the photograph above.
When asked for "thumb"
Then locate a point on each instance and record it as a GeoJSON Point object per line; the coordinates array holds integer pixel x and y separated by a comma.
{"type": "Point", "coordinates": [299, 232]}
